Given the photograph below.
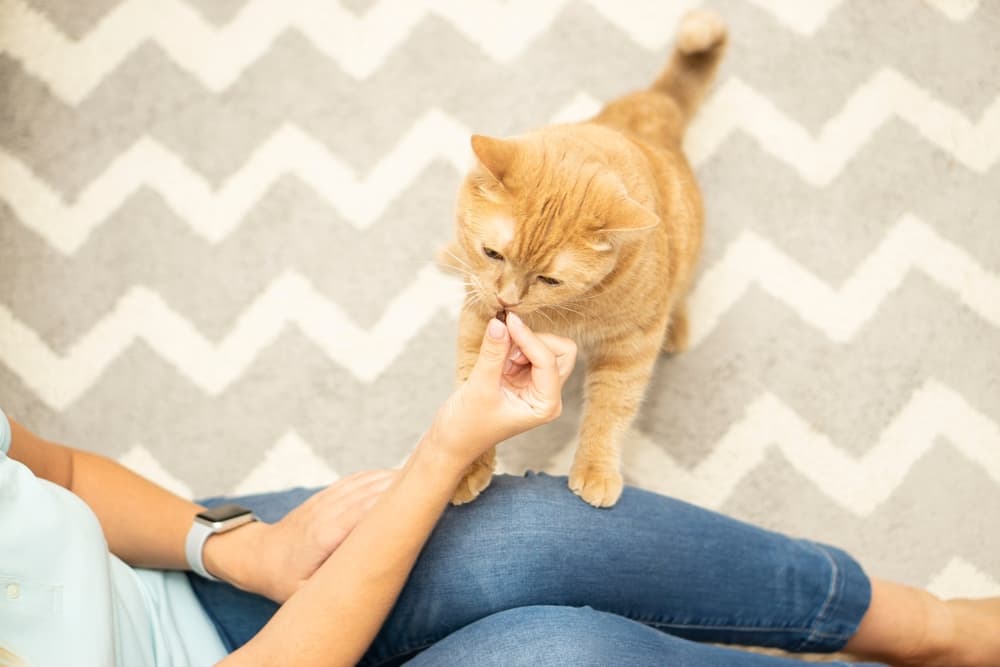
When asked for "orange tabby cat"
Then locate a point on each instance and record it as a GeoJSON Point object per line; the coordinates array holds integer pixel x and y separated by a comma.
{"type": "Point", "coordinates": [591, 230]}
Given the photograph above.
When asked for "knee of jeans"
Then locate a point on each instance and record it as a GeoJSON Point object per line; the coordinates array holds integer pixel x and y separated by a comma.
{"type": "Point", "coordinates": [573, 635]}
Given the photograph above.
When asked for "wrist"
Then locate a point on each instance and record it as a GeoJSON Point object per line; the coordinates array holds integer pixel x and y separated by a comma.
{"type": "Point", "coordinates": [436, 451]}
{"type": "Point", "coordinates": [233, 556]}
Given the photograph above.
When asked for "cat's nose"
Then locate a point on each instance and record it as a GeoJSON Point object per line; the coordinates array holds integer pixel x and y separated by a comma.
{"type": "Point", "coordinates": [506, 304]}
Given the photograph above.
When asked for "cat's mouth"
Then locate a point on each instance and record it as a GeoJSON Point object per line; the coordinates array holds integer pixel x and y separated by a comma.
{"type": "Point", "coordinates": [519, 310]}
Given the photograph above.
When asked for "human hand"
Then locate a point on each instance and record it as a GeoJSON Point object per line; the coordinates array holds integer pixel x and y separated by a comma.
{"type": "Point", "coordinates": [278, 558]}
{"type": "Point", "coordinates": [515, 386]}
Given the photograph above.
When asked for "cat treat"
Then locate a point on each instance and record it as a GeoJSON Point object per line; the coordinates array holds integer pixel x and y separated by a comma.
{"type": "Point", "coordinates": [502, 315]}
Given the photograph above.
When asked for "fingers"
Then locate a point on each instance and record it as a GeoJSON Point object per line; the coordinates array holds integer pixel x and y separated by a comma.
{"type": "Point", "coordinates": [544, 370]}
{"type": "Point", "coordinates": [493, 352]}
{"type": "Point", "coordinates": [565, 351]}
{"type": "Point", "coordinates": [359, 482]}
{"type": "Point", "coordinates": [337, 512]}
{"type": "Point", "coordinates": [515, 361]}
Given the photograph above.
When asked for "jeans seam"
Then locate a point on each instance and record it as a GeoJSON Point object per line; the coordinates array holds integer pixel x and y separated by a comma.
{"type": "Point", "coordinates": [420, 645]}
{"type": "Point", "coordinates": [716, 626]}
{"type": "Point", "coordinates": [820, 618]}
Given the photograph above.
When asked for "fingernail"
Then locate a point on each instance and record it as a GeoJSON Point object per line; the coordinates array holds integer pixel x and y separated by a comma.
{"type": "Point", "coordinates": [513, 317]}
{"type": "Point", "coordinates": [495, 329]}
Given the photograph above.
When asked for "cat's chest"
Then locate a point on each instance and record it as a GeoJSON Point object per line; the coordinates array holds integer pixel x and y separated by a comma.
{"type": "Point", "coordinates": [586, 334]}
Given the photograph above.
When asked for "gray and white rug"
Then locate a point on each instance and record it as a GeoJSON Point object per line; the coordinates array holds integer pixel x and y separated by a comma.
{"type": "Point", "coordinates": [216, 221]}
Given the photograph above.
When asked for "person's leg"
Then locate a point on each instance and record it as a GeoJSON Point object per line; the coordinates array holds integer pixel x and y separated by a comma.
{"type": "Point", "coordinates": [552, 636]}
{"type": "Point", "coordinates": [909, 626]}
{"type": "Point", "coordinates": [676, 567]}
{"type": "Point", "coordinates": [530, 541]}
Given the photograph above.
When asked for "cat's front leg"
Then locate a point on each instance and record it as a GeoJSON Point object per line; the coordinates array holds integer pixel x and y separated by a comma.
{"type": "Point", "coordinates": [615, 385]}
{"type": "Point", "coordinates": [471, 328]}
{"type": "Point", "coordinates": [477, 477]}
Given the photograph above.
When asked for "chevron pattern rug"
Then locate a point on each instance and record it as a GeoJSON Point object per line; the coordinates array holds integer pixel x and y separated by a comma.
{"type": "Point", "coordinates": [217, 220]}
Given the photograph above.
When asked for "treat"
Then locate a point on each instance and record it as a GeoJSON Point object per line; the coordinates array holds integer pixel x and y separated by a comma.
{"type": "Point", "coordinates": [502, 316]}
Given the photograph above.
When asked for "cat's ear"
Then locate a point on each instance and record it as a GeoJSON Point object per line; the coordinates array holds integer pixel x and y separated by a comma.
{"type": "Point", "coordinates": [497, 155]}
{"type": "Point", "coordinates": [622, 213]}
{"type": "Point", "coordinates": [626, 215]}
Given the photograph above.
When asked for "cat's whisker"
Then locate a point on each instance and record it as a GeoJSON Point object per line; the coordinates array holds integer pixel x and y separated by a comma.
{"type": "Point", "coordinates": [562, 306]}
{"type": "Point", "coordinates": [592, 296]}
{"type": "Point", "coordinates": [543, 314]}
{"type": "Point", "coordinates": [558, 312]}
{"type": "Point", "coordinates": [461, 261]}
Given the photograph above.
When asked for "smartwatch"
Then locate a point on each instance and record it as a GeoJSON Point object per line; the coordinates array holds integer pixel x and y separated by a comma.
{"type": "Point", "coordinates": [220, 519]}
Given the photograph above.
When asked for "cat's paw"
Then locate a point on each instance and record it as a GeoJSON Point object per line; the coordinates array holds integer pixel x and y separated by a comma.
{"type": "Point", "coordinates": [700, 30]}
{"type": "Point", "coordinates": [476, 479]}
{"type": "Point", "coordinates": [601, 487]}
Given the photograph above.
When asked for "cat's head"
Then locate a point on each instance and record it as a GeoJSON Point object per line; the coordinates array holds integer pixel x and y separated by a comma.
{"type": "Point", "coordinates": [542, 220]}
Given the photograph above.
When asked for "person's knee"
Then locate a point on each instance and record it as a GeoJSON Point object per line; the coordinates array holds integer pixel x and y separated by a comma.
{"type": "Point", "coordinates": [551, 635]}
{"type": "Point", "coordinates": [554, 629]}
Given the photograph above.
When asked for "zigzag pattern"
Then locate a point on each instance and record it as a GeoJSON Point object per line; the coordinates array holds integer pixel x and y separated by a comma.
{"type": "Point", "coordinates": [270, 239]}
{"type": "Point", "coordinates": [290, 463]}
{"type": "Point", "coordinates": [358, 44]}
{"type": "Point", "coordinates": [290, 299]}
{"type": "Point", "coordinates": [214, 215]}
{"type": "Point", "coordinates": [888, 94]}
{"type": "Point", "coordinates": [963, 218]}
{"type": "Point", "coordinates": [438, 136]}
{"type": "Point", "coordinates": [847, 390]}
{"type": "Point", "coordinates": [911, 244]}
{"type": "Point", "coordinates": [248, 113]}
{"type": "Point", "coordinates": [857, 485]}
{"type": "Point", "coordinates": [142, 315]}
{"type": "Point", "coordinates": [960, 579]}
{"type": "Point", "coordinates": [186, 224]}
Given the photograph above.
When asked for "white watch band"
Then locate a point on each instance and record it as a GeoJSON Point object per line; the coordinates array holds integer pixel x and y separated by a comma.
{"type": "Point", "coordinates": [195, 544]}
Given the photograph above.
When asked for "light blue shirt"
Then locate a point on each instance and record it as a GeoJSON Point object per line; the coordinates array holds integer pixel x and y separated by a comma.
{"type": "Point", "coordinates": [66, 600]}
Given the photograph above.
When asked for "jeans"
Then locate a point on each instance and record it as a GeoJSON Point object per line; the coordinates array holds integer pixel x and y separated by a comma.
{"type": "Point", "coordinates": [530, 574]}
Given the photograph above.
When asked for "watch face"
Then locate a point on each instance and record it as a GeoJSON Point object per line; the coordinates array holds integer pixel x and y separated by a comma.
{"type": "Point", "coordinates": [223, 513]}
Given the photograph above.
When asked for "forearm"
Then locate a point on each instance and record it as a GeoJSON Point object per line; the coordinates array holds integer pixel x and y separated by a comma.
{"type": "Point", "coordinates": [144, 524]}
{"type": "Point", "coordinates": [336, 614]}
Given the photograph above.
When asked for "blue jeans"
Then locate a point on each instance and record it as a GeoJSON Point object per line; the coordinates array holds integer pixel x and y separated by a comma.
{"type": "Point", "coordinates": [530, 574]}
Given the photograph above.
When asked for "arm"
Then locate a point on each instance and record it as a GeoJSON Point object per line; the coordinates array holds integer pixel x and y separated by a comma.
{"type": "Point", "coordinates": [332, 619]}
{"type": "Point", "coordinates": [103, 483]}
{"type": "Point", "coordinates": [269, 559]}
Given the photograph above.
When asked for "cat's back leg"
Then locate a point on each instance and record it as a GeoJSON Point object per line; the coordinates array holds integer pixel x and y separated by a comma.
{"type": "Point", "coordinates": [676, 340]}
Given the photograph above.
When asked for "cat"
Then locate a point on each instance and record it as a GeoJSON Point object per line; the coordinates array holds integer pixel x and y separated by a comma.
{"type": "Point", "coordinates": [590, 230]}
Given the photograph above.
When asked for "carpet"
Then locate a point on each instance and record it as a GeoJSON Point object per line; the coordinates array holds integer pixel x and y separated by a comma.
{"type": "Point", "coordinates": [217, 221]}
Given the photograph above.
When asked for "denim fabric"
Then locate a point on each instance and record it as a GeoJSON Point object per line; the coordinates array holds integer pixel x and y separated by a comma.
{"type": "Point", "coordinates": [659, 562]}
{"type": "Point", "coordinates": [554, 636]}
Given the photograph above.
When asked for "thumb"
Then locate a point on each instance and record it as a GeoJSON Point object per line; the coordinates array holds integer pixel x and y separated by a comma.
{"type": "Point", "coordinates": [493, 352]}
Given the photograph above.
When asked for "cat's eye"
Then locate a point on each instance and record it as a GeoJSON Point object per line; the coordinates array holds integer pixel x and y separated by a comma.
{"type": "Point", "coordinates": [492, 254]}
{"type": "Point", "coordinates": [549, 281]}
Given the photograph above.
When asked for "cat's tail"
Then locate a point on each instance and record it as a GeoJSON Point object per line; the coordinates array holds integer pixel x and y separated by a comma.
{"type": "Point", "coordinates": [701, 41]}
